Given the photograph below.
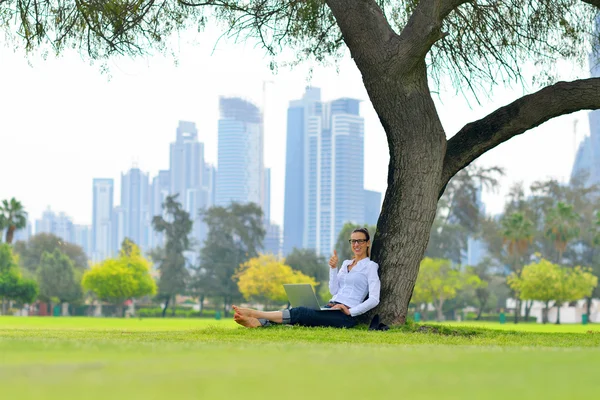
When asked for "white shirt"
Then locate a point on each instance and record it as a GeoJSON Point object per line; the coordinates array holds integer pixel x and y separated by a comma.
{"type": "Point", "coordinates": [351, 288]}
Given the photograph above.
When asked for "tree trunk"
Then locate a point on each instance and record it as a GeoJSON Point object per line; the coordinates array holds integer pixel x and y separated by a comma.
{"type": "Point", "coordinates": [416, 136]}
{"type": "Point", "coordinates": [517, 310]}
{"type": "Point", "coordinates": [558, 305]}
{"type": "Point", "coordinates": [120, 310]}
{"type": "Point", "coordinates": [10, 232]}
{"type": "Point", "coordinates": [164, 311]}
{"type": "Point", "coordinates": [588, 301]}
{"type": "Point", "coordinates": [174, 306]}
{"type": "Point", "coordinates": [439, 312]}
{"type": "Point", "coordinates": [545, 313]}
{"type": "Point", "coordinates": [3, 306]}
{"type": "Point", "coordinates": [479, 312]}
{"type": "Point", "coordinates": [528, 305]}
{"type": "Point", "coordinates": [201, 304]}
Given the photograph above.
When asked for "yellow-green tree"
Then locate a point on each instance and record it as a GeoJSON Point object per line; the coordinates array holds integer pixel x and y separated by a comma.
{"type": "Point", "coordinates": [261, 279]}
{"type": "Point", "coordinates": [118, 279]}
{"type": "Point", "coordinates": [548, 282]}
{"type": "Point", "coordinates": [438, 281]}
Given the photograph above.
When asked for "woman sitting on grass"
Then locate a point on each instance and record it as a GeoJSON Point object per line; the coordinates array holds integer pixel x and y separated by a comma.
{"type": "Point", "coordinates": [349, 287]}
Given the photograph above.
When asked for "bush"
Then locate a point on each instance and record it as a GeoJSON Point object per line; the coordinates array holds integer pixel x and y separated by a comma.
{"type": "Point", "coordinates": [156, 312]}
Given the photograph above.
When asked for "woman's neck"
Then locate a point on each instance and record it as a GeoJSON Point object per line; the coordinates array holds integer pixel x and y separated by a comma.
{"type": "Point", "coordinates": [358, 258]}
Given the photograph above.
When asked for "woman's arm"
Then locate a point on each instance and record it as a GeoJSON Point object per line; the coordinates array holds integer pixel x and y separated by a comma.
{"type": "Point", "coordinates": [333, 279]}
{"type": "Point", "coordinates": [374, 289]}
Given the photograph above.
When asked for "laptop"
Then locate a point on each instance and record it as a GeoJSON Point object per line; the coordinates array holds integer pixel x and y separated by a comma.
{"type": "Point", "coordinates": [303, 295]}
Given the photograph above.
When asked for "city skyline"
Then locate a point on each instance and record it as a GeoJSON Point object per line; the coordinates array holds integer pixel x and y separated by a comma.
{"type": "Point", "coordinates": [128, 122]}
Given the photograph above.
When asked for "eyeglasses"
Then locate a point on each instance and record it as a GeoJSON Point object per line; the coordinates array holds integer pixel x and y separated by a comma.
{"type": "Point", "coordinates": [359, 241]}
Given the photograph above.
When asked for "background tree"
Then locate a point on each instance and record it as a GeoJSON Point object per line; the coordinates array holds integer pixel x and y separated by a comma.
{"type": "Point", "coordinates": [399, 47]}
{"type": "Point", "coordinates": [57, 279]}
{"type": "Point", "coordinates": [459, 215]}
{"type": "Point", "coordinates": [309, 263]}
{"type": "Point", "coordinates": [174, 274]}
{"type": "Point", "coordinates": [12, 218]}
{"type": "Point", "coordinates": [30, 252]}
{"type": "Point", "coordinates": [342, 246]}
{"type": "Point", "coordinates": [235, 234]}
{"type": "Point", "coordinates": [261, 279]}
{"type": "Point", "coordinates": [548, 282]}
{"type": "Point", "coordinates": [517, 233]}
{"type": "Point", "coordinates": [118, 279]}
{"type": "Point", "coordinates": [12, 285]}
{"type": "Point", "coordinates": [439, 282]}
{"type": "Point", "coordinates": [562, 226]}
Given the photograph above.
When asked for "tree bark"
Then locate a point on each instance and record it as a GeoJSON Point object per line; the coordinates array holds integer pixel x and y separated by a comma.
{"type": "Point", "coordinates": [517, 310]}
{"type": "Point", "coordinates": [164, 311]}
{"type": "Point", "coordinates": [558, 313]}
{"type": "Point", "coordinates": [10, 232]}
{"type": "Point", "coordinates": [589, 309]}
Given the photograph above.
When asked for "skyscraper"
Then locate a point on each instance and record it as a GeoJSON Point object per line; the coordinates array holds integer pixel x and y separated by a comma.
{"type": "Point", "coordinates": [187, 170]}
{"type": "Point", "coordinates": [102, 209]}
{"type": "Point", "coordinates": [158, 193]}
{"type": "Point", "coordinates": [60, 225]}
{"type": "Point", "coordinates": [324, 171]}
{"type": "Point", "coordinates": [135, 206]}
{"type": "Point", "coordinates": [587, 159]}
{"type": "Point", "coordinates": [295, 168]}
{"type": "Point", "coordinates": [240, 173]}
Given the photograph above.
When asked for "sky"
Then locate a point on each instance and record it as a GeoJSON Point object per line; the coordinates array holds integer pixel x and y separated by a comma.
{"type": "Point", "coordinates": [64, 122]}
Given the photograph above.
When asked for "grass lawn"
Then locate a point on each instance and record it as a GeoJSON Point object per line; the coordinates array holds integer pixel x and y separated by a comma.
{"type": "Point", "coordinates": [88, 358]}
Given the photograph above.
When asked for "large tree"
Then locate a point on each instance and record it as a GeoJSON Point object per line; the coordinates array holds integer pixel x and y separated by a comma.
{"type": "Point", "coordinates": [118, 279]}
{"type": "Point", "coordinates": [172, 265]}
{"type": "Point", "coordinates": [12, 285]}
{"type": "Point", "coordinates": [12, 217]}
{"type": "Point", "coordinates": [235, 234]}
{"type": "Point", "coordinates": [30, 252]}
{"type": "Point", "coordinates": [400, 47]}
{"type": "Point", "coordinates": [58, 279]}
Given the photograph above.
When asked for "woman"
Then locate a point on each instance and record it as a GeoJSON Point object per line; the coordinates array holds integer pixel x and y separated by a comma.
{"type": "Point", "coordinates": [349, 286]}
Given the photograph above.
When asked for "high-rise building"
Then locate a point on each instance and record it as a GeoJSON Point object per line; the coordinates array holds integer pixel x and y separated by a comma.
{"type": "Point", "coordinates": [295, 167]}
{"type": "Point", "coordinates": [587, 159]}
{"type": "Point", "coordinates": [187, 170]}
{"type": "Point", "coordinates": [240, 174]}
{"type": "Point", "coordinates": [82, 237]}
{"type": "Point", "coordinates": [102, 209]}
{"type": "Point", "coordinates": [158, 193]}
{"type": "Point", "coordinates": [272, 240]}
{"type": "Point", "coordinates": [118, 226]}
{"type": "Point", "coordinates": [186, 162]}
{"type": "Point", "coordinates": [323, 183]}
{"type": "Point", "coordinates": [60, 225]}
{"type": "Point", "coordinates": [372, 207]}
{"type": "Point", "coordinates": [135, 206]}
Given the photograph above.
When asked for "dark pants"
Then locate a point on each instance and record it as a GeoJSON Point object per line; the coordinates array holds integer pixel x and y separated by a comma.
{"type": "Point", "coordinates": [308, 317]}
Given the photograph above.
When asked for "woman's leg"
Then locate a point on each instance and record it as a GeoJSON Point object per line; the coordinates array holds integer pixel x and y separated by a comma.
{"type": "Point", "coordinates": [308, 317]}
{"type": "Point", "coordinates": [273, 316]}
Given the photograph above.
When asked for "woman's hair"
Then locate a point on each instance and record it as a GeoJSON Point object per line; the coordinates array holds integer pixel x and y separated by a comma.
{"type": "Point", "coordinates": [366, 232]}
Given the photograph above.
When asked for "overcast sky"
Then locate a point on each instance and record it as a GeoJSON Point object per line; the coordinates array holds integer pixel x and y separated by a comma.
{"type": "Point", "coordinates": [63, 122]}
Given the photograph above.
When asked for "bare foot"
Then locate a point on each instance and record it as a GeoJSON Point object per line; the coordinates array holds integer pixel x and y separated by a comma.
{"type": "Point", "coordinates": [246, 312]}
{"type": "Point", "coordinates": [248, 322]}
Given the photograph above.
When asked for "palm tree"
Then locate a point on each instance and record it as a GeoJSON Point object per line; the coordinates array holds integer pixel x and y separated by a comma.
{"type": "Point", "coordinates": [12, 217]}
{"type": "Point", "coordinates": [562, 226]}
{"type": "Point", "coordinates": [517, 235]}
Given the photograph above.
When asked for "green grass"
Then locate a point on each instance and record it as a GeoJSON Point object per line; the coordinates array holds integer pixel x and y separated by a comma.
{"type": "Point", "coordinates": [88, 358]}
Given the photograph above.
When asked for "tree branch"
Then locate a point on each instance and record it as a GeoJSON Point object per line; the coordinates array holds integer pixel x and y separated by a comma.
{"type": "Point", "coordinates": [365, 30]}
{"type": "Point", "coordinates": [424, 28]}
{"type": "Point", "coordinates": [526, 113]}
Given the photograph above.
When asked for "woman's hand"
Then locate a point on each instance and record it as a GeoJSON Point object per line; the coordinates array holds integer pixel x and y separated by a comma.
{"type": "Point", "coordinates": [333, 260]}
{"type": "Point", "coordinates": [342, 307]}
